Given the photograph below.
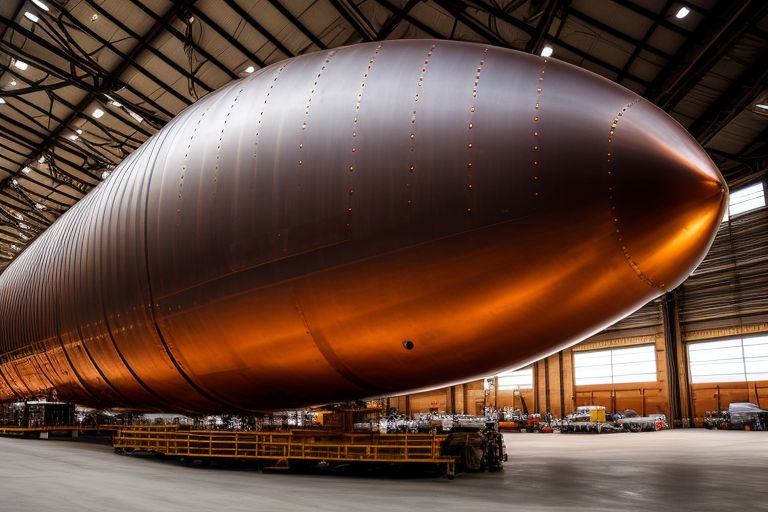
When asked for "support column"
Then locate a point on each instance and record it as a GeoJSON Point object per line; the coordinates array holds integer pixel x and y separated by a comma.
{"type": "Point", "coordinates": [546, 388]}
{"type": "Point", "coordinates": [670, 318]}
{"type": "Point", "coordinates": [562, 383]}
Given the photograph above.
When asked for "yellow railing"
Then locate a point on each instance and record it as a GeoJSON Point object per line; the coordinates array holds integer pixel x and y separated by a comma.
{"type": "Point", "coordinates": [285, 446]}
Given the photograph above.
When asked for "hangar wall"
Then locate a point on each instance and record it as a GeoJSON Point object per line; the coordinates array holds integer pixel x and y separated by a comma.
{"type": "Point", "coordinates": [726, 296]}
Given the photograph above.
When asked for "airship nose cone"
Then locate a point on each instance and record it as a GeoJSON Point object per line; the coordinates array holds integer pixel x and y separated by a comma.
{"type": "Point", "coordinates": [667, 196]}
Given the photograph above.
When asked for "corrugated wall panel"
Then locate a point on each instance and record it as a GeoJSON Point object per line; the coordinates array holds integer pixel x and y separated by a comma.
{"type": "Point", "coordinates": [729, 290]}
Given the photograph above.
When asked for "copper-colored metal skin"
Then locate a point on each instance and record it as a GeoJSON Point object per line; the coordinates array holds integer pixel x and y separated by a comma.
{"type": "Point", "coordinates": [375, 219]}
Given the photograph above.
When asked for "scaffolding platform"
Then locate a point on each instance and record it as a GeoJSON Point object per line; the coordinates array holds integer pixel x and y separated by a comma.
{"type": "Point", "coordinates": [280, 448]}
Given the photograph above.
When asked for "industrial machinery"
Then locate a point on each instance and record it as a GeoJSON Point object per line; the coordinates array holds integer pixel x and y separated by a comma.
{"type": "Point", "coordinates": [36, 413]}
{"type": "Point", "coordinates": [588, 418]}
{"type": "Point", "coordinates": [739, 416]}
{"type": "Point", "coordinates": [359, 222]}
{"type": "Point", "coordinates": [476, 449]}
{"type": "Point", "coordinates": [633, 422]}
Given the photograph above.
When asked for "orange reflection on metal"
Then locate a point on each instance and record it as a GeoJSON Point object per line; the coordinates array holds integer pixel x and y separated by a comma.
{"type": "Point", "coordinates": [211, 273]}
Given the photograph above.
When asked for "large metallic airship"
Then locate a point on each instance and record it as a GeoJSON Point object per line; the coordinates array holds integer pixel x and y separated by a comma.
{"type": "Point", "coordinates": [358, 222]}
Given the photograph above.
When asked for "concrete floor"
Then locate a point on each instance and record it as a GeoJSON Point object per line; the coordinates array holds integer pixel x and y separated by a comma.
{"type": "Point", "coordinates": [672, 470]}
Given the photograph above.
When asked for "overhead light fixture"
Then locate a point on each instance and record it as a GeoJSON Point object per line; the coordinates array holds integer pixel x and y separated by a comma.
{"type": "Point", "coordinates": [41, 160]}
{"type": "Point", "coordinates": [105, 175]}
{"type": "Point", "coordinates": [73, 137]}
{"type": "Point", "coordinates": [682, 13]}
{"type": "Point", "coordinates": [23, 226]}
{"type": "Point", "coordinates": [97, 113]}
{"type": "Point", "coordinates": [116, 104]}
{"type": "Point", "coordinates": [136, 116]}
{"type": "Point", "coordinates": [547, 51]}
{"type": "Point", "coordinates": [23, 236]}
{"type": "Point", "coordinates": [39, 206]}
{"type": "Point", "coordinates": [250, 69]}
{"type": "Point", "coordinates": [26, 170]}
{"type": "Point", "coordinates": [31, 17]}
{"type": "Point", "coordinates": [94, 17]}
{"type": "Point", "coordinates": [12, 83]}
{"type": "Point", "coordinates": [79, 131]}
{"type": "Point", "coordinates": [14, 247]}
{"type": "Point", "coordinates": [41, 5]}
{"type": "Point", "coordinates": [763, 106]}
{"type": "Point", "coordinates": [20, 64]}
{"type": "Point", "coordinates": [2, 101]}
{"type": "Point", "coordinates": [15, 182]}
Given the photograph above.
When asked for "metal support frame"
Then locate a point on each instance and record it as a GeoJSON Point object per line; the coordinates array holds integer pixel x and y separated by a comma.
{"type": "Point", "coordinates": [705, 47]}
{"type": "Point", "coordinates": [644, 40]}
{"type": "Point", "coordinates": [742, 93]}
{"type": "Point", "coordinates": [363, 31]}
{"type": "Point", "coordinates": [671, 322]}
{"type": "Point", "coordinates": [542, 29]}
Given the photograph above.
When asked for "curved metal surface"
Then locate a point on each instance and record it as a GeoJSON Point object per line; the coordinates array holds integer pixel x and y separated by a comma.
{"type": "Point", "coordinates": [278, 242]}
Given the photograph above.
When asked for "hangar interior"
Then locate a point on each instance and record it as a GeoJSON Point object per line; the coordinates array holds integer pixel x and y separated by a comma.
{"type": "Point", "coordinates": [84, 83]}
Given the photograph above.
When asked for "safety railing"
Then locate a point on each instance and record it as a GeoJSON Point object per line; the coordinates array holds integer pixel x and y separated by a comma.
{"type": "Point", "coordinates": [290, 445]}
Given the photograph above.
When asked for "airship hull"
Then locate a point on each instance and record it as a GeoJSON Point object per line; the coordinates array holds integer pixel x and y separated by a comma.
{"type": "Point", "coordinates": [359, 222]}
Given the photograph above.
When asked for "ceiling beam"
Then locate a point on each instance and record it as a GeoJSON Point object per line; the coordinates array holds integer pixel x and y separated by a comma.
{"type": "Point", "coordinates": [165, 22]}
{"type": "Point", "coordinates": [394, 20]}
{"type": "Point", "coordinates": [639, 44]}
{"type": "Point", "coordinates": [135, 65]}
{"type": "Point", "coordinates": [655, 23]}
{"type": "Point", "coordinates": [227, 37]}
{"type": "Point", "coordinates": [361, 30]}
{"type": "Point", "coordinates": [410, 19]}
{"type": "Point", "coordinates": [259, 28]}
{"type": "Point", "coordinates": [494, 10]}
{"type": "Point", "coordinates": [145, 42]}
{"type": "Point", "coordinates": [458, 11]}
{"type": "Point", "coordinates": [536, 42]}
{"type": "Point", "coordinates": [504, 16]}
{"type": "Point", "coordinates": [652, 15]}
{"type": "Point", "coordinates": [100, 78]}
{"type": "Point", "coordinates": [744, 91]}
{"type": "Point", "coordinates": [298, 24]}
{"type": "Point", "coordinates": [710, 41]}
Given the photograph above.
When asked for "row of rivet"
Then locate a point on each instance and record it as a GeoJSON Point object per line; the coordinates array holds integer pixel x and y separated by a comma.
{"type": "Point", "coordinates": [263, 106]}
{"type": "Point", "coordinates": [257, 136]}
{"type": "Point", "coordinates": [536, 147]}
{"type": "Point", "coordinates": [612, 199]}
{"type": "Point", "coordinates": [309, 103]}
{"type": "Point", "coordinates": [352, 161]}
{"type": "Point", "coordinates": [186, 156]}
{"type": "Point", "coordinates": [221, 135]}
{"type": "Point", "coordinates": [412, 131]}
{"type": "Point", "coordinates": [470, 126]}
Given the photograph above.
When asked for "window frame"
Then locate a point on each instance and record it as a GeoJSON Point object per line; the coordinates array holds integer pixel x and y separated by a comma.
{"type": "Point", "coordinates": [611, 379]}
{"type": "Point", "coordinates": [759, 183]}
{"type": "Point", "coordinates": [745, 373]}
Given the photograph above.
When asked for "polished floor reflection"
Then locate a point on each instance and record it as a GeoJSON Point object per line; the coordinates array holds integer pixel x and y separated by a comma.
{"type": "Point", "coordinates": [671, 470]}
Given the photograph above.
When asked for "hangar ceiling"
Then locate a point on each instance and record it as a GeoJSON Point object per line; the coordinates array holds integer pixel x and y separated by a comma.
{"type": "Point", "coordinates": [84, 82]}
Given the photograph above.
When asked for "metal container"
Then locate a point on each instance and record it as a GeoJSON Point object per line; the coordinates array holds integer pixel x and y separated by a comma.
{"type": "Point", "coordinates": [358, 222]}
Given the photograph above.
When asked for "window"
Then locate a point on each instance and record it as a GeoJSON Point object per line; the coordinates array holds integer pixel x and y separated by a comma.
{"type": "Point", "coordinates": [615, 366]}
{"type": "Point", "coordinates": [516, 379]}
{"type": "Point", "coordinates": [745, 199]}
{"type": "Point", "coordinates": [729, 360]}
